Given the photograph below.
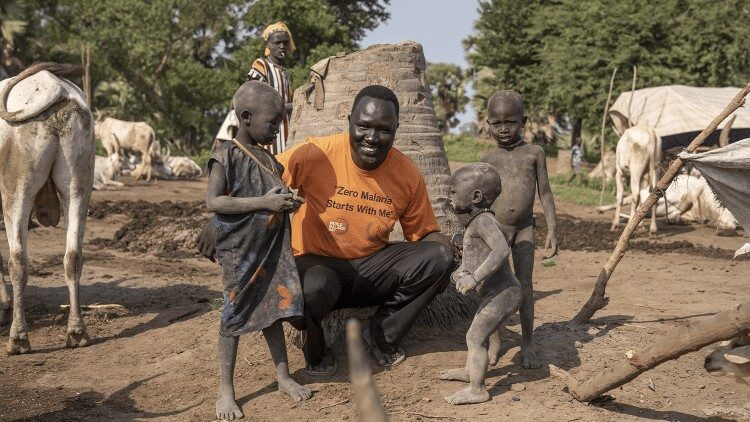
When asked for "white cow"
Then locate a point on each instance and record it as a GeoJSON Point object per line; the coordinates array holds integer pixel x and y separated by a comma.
{"type": "Point", "coordinates": [48, 146]}
{"type": "Point", "coordinates": [182, 167]}
{"type": "Point", "coordinates": [638, 154]}
{"type": "Point", "coordinates": [138, 137]}
{"type": "Point", "coordinates": [106, 170]}
{"type": "Point", "coordinates": [688, 199]}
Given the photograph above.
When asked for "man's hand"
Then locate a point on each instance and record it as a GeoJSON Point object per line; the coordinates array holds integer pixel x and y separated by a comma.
{"type": "Point", "coordinates": [206, 241]}
{"type": "Point", "coordinates": [466, 283]}
{"type": "Point", "coordinates": [278, 202]}
{"type": "Point", "coordinates": [551, 244]}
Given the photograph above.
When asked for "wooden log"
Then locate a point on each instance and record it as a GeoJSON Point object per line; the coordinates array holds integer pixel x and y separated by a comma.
{"type": "Point", "coordinates": [721, 326]}
{"type": "Point", "coordinates": [368, 402]}
{"type": "Point", "coordinates": [601, 136]}
{"type": "Point", "coordinates": [598, 300]}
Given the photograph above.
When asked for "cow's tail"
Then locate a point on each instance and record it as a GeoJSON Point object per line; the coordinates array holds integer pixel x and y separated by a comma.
{"type": "Point", "coordinates": [60, 70]}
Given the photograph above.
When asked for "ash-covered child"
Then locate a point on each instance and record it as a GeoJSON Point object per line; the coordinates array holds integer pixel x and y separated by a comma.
{"type": "Point", "coordinates": [485, 268]}
{"type": "Point", "coordinates": [252, 205]}
{"type": "Point", "coordinates": [523, 169]}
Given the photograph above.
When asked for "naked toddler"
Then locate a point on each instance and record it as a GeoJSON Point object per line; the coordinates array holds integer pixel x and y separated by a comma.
{"type": "Point", "coordinates": [485, 268]}
{"type": "Point", "coordinates": [523, 170]}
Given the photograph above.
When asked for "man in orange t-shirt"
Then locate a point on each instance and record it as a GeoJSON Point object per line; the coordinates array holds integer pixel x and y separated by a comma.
{"type": "Point", "coordinates": [356, 187]}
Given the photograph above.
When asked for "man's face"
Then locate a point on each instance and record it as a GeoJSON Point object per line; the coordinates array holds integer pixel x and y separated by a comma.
{"type": "Point", "coordinates": [462, 193]}
{"type": "Point", "coordinates": [372, 130]}
{"type": "Point", "coordinates": [263, 126]}
{"type": "Point", "coordinates": [505, 120]}
{"type": "Point", "coordinates": [278, 43]}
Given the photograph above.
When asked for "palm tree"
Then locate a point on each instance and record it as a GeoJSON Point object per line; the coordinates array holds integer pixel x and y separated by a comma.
{"type": "Point", "coordinates": [13, 23]}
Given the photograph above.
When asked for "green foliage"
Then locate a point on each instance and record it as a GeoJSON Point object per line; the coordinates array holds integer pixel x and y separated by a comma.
{"type": "Point", "coordinates": [176, 63]}
{"type": "Point", "coordinates": [581, 190]}
{"type": "Point", "coordinates": [99, 148]}
{"type": "Point", "coordinates": [560, 54]}
{"type": "Point", "coordinates": [202, 157]}
{"type": "Point", "coordinates": [465, 148]}
{"type": "Point", "coordinates": [449, 96]}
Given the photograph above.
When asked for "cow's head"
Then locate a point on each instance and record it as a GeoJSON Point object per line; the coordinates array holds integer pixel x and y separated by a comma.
{"type": "Point", "coordinates": [731, 358]}
{"type": "Point", "coordinates": [726, 222]}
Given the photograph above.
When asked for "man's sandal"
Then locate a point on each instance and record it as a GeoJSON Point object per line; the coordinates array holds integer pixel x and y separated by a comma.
{"type": "Point", "coordinates": [330, 364]}
{"type": "Point", "coordinates": [378, 354]}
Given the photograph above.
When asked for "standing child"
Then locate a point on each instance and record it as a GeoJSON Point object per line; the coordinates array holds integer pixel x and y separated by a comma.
{"type": "Point", "coordinates": [523, 170]}
{"type": "Point", "coordinates": [576, 156]}
{"type": "Point", "coordinates": [252, 204]}
{"type": "Point", "coordinates": [485, 268]}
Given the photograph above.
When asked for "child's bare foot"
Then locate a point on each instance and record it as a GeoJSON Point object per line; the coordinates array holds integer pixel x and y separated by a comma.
{"type": "Point", "coordinates": [226, 407]}
{"type": "Point", "coordinates": [469, 395]}
{"type": "Point", "coordinates": [529, 359]}
{"type": "Point", "coordinates": [458, 374]}
{"type": "Point", "coordinates": [295, 391]}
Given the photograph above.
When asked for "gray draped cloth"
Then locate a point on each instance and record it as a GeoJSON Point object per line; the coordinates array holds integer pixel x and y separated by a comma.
{"type": "Point", "coordinates": [727, 171]}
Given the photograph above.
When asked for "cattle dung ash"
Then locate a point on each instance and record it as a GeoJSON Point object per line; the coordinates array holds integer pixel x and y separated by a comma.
{"type": "Point", "coordinates": [165, 229]}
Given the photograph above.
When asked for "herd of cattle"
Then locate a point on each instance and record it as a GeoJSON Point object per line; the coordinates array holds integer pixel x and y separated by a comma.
{"type": "Point", "coordinates": [132, 149]}
{"type": "Point", "coordinates": [688, 198]}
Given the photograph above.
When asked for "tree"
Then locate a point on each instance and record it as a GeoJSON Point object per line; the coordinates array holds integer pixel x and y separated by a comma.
{"type": "Point", "coordinates": [13, 23]}
{"type": "Point", "coordinates": [447, 87]}
{"type": "Point", "coordinates": [560, 54]}
{"type": "Point", "coordinates": [502, 52]}
{"type": "Point", "coordinates": [177, 63]}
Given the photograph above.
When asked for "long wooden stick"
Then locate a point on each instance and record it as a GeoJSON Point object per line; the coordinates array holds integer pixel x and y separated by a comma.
{"type": "Point", "coordinates": [367, 399]}
{"type": "Point", "coordinates": [632, 93]}
{"type": "Point", "coordinates": [598, 300]}
{"type": "Point", "coordinates": [721, 326]}
{"type": "Point", "coordinates": [601, 136]}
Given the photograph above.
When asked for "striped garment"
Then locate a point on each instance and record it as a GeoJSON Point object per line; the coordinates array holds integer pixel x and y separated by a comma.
{"type": "Point", "coordinates": [275, 75]}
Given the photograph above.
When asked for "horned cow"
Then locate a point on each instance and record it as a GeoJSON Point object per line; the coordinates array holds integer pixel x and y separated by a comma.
{"type": "Point", "coordinates": [138, 137]}
{"type": "Point", "coordinates": [46, 133]}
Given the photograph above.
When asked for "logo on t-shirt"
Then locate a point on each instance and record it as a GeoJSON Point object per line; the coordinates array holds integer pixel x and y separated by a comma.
{"type": "Point", "coordinates": [338, 226]}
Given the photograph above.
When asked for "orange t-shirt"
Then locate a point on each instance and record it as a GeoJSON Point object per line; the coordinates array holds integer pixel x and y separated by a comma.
{"type": "Point", "coordinates": [349, 212]}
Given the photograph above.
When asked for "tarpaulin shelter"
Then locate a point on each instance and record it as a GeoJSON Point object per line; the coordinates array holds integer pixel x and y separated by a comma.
{"type": "Point", "coordinates": [678, 112]}
{"type": "Point", "coordinates": [727, 171]}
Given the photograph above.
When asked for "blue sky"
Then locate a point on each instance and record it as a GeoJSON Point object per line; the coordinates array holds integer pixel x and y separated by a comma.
{"type": "Point", "coordinates": [439, 25]}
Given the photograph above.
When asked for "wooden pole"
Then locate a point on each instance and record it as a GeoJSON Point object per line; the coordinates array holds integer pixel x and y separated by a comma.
{"type": "Point", "coordinates": [367, 399]}
{"type": "Point", "coordinates": [632, 93]}
{"type": "Point", "coordinates": [601, 136]}
{"type": "Point", "coordinates": [721, 326]}
{"type": "Point", "coordinates": [87, 74]}
{"type": "Point", "coordinates": [724, 135]}
{"type": "Point", "coordinates": [598, 300]}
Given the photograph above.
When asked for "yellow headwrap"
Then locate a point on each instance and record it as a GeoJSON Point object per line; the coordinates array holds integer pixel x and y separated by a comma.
{"type": "Point", "coordinates": [278, 26]}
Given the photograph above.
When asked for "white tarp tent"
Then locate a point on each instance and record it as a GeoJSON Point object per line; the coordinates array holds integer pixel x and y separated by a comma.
{"type": "Point", "coordinates": [676, 109]}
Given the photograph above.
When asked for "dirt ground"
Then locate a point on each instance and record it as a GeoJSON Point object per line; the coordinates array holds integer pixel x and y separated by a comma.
{"type": "Point", "coordinates": [153, 355]}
